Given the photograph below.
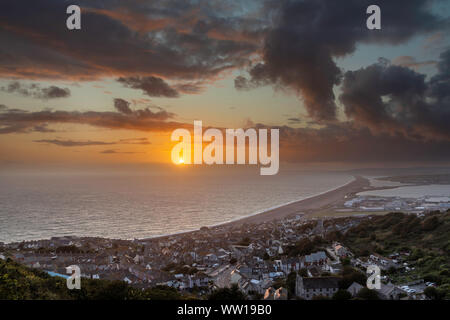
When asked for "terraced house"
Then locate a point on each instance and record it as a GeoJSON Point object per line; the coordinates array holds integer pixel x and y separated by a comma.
{"type": "Point", "coordinates": [308, 288]}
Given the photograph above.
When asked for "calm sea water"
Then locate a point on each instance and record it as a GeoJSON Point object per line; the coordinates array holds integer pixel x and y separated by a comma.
{"type": "Point", "coordinates": [145, 203]}
{"type": "Point", "coordinates": [432, 190]}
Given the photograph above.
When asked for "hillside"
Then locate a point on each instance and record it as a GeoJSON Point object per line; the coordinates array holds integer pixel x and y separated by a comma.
{"type": "Point", "coordinates": [426, 240]}
{"type": "Point", "coordinates": [18, 282]}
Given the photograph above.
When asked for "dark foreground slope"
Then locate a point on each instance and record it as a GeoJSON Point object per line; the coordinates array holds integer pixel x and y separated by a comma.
{"type": "Point", "coordinates": [18, 282]}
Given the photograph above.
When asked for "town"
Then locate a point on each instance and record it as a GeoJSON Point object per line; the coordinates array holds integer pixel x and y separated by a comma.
{"type": "Point", "coordinates": [262, 260]}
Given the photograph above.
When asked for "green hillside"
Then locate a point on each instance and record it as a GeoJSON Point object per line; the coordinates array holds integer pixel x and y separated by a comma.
{"type": "Point", "coordinates": [426, 239]}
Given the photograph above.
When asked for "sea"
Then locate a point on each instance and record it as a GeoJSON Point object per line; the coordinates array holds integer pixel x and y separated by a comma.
{"type": "Point", "coordinates": [148, 202]}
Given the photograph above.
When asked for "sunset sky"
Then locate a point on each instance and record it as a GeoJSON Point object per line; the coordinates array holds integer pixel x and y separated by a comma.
{"type": "Point", "coordinates": [113, 91]}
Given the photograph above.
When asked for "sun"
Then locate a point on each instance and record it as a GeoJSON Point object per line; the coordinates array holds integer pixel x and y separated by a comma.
{"type": "Point", "coordinates": [181, 161]}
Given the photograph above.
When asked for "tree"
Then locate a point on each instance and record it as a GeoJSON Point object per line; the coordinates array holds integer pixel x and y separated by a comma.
{"type": "Point", "coordinates": [345, 261]}
{"type": "Point", "coordinates": [430, 223]}
{"type": "Point", "coordinates": [232, 293]}
{"type": "Point", "coordinates": [290, 283]}
{"type": "Point", "coordinates": [367, 294]}
{"type": "Point", "coordinates": [302, 247]}
{"type": "Point", "coordinates": [433, 293]}
{"type": "Point", "coordinates": [342, 295]}
{"type": "Point", "coordinates": [162, 293]}
{"type": "Point", "coordinates": [245, 242]}
{"type": "Point", "coordinates": [303, 272]}
{"type": "Point", "coordinates": [350, 275]}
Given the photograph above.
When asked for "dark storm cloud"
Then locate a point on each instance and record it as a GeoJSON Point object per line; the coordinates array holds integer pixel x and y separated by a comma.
{"type": "Point", "coordinates": [440, 83]}
{"type": "Point", "coordinates": [36, 91]}
{"type": "Point", "coordinates": [191, 40]}
{"type": "Point", "coordinates": [176, 39]}
{"type": "Point", "coordinates": [151, 86]}
{"type": "Point", "coordinates": [122, 106]}
{"type": "Point", "coordinates": [21, 121]}
{"type": "Point", "coordinates": [394, 113]}
{"type": "Point", "coordinates": [345, 142]}
{"type": "Point", "coordinates": [411, 62]}
{"type": "Point", "coordinates": [54, 92]}
{"type": "Point", "coordinates": [397, 100]}
{"type": "Point", "coordinates": [307, 35]}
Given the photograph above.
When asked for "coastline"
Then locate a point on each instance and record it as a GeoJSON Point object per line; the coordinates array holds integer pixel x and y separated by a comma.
{"type": "Point", "coordinates": [302, 207]}
{"type": "Point", "coordinates": [297, 207]}
{"type": "Point", "coordinates": [274, 208]}
{"type": "Point", "coordinates": [305, 206]}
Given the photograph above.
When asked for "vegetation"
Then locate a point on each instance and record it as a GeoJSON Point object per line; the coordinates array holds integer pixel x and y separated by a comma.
{"type": "Point", "coordinates": [423, 243]}
{"type": "Point", "coordinates": [350, 275]}
{"type": "Point", "coordinates": [306, 246]}
{"type": "Point", "coordinates": [245, 242]}
{"type": "Point", "coordinates": [425, 239]}
{"type": "Point", "coordinates": [342, 294]}
{"type": "Point", "coordinates": [21, 283]}
{"type": "Point", "coordinates": [232, 293]}
{"type": "Point", "coordinates": [367, 294]}
{"type": "Point", "coordinates": [178, 268]}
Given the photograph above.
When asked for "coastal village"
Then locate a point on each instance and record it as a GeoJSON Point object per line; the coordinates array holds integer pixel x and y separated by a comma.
{"type": "Point", "coordinates": [254, 257]}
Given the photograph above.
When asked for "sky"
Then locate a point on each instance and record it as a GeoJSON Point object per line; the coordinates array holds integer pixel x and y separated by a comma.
{"type": "Point", "coordinates": [113, 91]}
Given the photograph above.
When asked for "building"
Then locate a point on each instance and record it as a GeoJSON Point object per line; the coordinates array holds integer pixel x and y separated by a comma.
{"type": "Point", "coordinates": [354, 288]}
{"type": "Point", "coordinates": [308, 288]}
{"type": "Point", "coordinates": [340, 251]}
{"type": "Point", "coordinates": [383, 262]}
{"type": "Point", "coordinates": [272, 294]}
{"type": "Point", "coordinates": [390, 292]}
{"type": "Point", "coordinates": [317, 258]}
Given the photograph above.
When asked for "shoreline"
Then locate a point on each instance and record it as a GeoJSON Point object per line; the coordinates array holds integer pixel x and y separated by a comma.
{"type": "Point", "coordinates": [280, 206]}
{"type": "Point", "coordinates": [302, 207]}
{"type": "Point", "coordinates": [306, 205]}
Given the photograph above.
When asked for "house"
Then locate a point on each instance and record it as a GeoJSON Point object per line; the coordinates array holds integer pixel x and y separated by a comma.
{"type": "Point", "coordinates": [390, 292]}
{"type": "Point", "coordinates": [198, 280]}
{"type": "Point", "coordinates": [354, 288]}
{"type": "Point", "coordinates": [256, 286]}
{"type": "Point", "coordinates": [235, 276]}
{"type": "Point", "coordinates": [19, 257]}
{"type": "Point", "coordinates": [138, 259]}
{"type": "Point", "coordinates": [308, 288]}
{"type": "Point", "coordinates": [288, 265]}
{"type": "Point", "coordinates": [340, 251]}
{"type": "Point", "coordinates": [127, 280]}
{"type": "Point", "coordinates": [383, 262]}
{"type": "Point", "coordinates": [210, 258]}
{"type": "Point", "coordinates": [313, 271]}
{"type": "Point", "coordinates": [317, 258]}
